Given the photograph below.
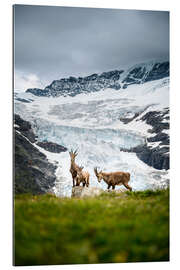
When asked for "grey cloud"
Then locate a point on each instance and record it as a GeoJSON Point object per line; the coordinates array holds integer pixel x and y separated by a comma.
{"type": "Point", "coordinates": [54, 42]}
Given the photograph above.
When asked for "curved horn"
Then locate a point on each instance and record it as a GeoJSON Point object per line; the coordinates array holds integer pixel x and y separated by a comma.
{"type": "Point", "coordinates": [95, 170]}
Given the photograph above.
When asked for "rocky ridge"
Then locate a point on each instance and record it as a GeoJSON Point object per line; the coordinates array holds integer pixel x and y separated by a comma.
{"type": "Point", "coordinates": [142, 73]}
{"type": "Point", "coordinates": [115, 79]}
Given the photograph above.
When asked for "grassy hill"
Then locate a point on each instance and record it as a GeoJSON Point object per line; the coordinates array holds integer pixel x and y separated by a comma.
{"type": "Point", "coordinates": [111, 228]}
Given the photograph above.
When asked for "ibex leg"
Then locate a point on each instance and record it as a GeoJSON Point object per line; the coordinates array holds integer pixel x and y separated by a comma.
{"type": "Point", "coordinates": [77, 181]}
{"type": "Point", "coordinates": [87, 182]}
{"type": "Point", "coordinates": [127, 186]}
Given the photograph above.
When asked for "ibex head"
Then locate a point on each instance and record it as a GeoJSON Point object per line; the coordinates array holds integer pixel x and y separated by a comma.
{"type": "Point", "coordinates": [98, 174]}
{"type": "Point", "coordinates": [73, 154]}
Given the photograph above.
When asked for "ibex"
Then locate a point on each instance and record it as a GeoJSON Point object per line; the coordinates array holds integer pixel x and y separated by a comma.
{"type": "Point", "coordinates": [74, 167]}
{"type": "Point", "coordinates": [114, 178]}
{"type": "Point", "coordinates": [82, 177]}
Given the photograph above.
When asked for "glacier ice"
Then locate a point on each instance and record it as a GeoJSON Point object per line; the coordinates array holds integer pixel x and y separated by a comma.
{"type": "Point", "coordinates": [99, 148]}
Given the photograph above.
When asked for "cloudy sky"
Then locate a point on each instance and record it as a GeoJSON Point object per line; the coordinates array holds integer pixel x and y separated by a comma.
{"type": "Point", "coordinates": [56, 42]}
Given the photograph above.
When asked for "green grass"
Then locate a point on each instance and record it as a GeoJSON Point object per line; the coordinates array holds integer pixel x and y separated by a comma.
{"type": "Point", "coordinates": [128, 227]}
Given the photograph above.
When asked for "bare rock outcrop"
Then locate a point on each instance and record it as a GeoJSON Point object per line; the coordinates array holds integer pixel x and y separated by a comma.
{"type": "Point", "coordinates": [81, 192]}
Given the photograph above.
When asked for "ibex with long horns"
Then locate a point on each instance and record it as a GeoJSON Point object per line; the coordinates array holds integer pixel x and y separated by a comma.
{"type": "Point", "coordinates": [82, 177]}
{"type": "Point", "coordinates": [114, 178]}
{"type": "Point", "coordinates": [74, 167]}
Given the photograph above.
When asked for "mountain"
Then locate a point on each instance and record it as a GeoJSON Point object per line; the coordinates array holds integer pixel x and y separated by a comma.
{"type": "Point", "coordinates": [33, 173]}
{"type": "Point", "coordinates": [115, 79]}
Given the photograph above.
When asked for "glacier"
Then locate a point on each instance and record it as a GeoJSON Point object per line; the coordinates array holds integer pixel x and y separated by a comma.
{"type": "Point", "coordinates": [91, 123]}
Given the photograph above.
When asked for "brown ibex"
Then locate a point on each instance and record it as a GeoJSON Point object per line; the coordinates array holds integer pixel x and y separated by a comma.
{"type": "Point", "coordinates": [82, 177]}
{"type": "Point", "coordinates": [114, 178]}
{"type": "Point", "coordinates": [74, 167]}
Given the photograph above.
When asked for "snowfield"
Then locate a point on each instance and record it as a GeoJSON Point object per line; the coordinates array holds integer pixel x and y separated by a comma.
{"type": "Point", "coordinates": [92, 124]}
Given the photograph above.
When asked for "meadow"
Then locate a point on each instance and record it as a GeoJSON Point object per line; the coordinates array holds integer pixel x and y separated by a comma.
{"type": "Point", "coordinates": [110, 228]}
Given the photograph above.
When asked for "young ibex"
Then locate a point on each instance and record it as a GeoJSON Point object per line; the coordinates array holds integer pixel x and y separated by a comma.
{"type": "Point", "coordinates": [114, 178]}
{"type": "Point", "coordinates": [74, 167]}
{"type": "Point", "coordinates": [82, 177]}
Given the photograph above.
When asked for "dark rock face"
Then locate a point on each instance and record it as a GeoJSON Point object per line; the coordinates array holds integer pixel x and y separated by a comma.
{"type": "Point", "coordinates": [38, 92]}
{"type": "Point", "coordinates": [72, 86]}
{"type": "Point", "coordinates": [23, 100]}
{"type": "Point", "coordinates": [159, 71]}
{"type": "Point", "coordinates": [157, 157]}
{"type": "Point", "coordinates": [52, 147]}
{"type": "Point", "coordinates": [32, 171]}
{"type": "Point", "coordinates": [155, 119]}
{"type": "Point", "coordinates": [127, 120]}
{"type": "Point", "coordinates": [160, 137]}
{"type": "Point", "coordinates": [25, 128]}
{"type": "Point", "coordinates": [142, 74]}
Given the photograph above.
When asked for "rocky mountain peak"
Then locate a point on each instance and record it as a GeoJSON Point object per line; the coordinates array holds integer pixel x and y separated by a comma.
{"type": "Point", "coordinates": [115, 79]}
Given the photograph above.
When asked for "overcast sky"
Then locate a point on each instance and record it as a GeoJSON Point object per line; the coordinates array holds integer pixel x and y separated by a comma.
{"type": "Point", "coordinates": [57, 42]}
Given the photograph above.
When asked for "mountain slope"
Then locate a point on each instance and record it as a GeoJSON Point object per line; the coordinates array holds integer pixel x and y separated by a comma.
{"type": "Point", "coordinates": [33, 173]}
{"type": "Point", "coordinates": [115, 79]}
{"type": "Point", "coordinates": [146, 72]}
{"type": "Point", "coordinates": [155, 152]}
